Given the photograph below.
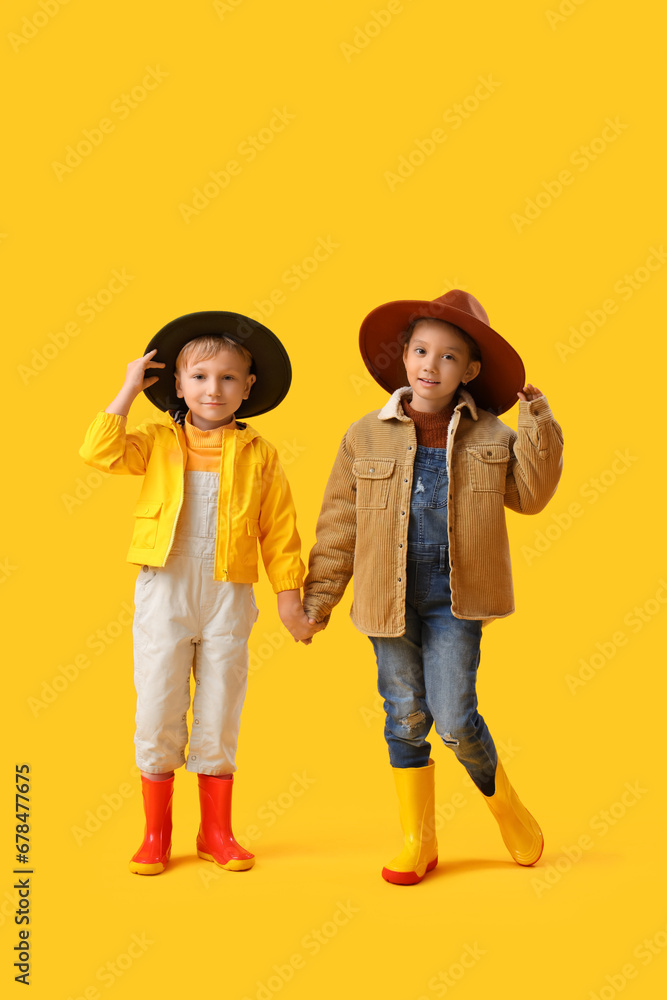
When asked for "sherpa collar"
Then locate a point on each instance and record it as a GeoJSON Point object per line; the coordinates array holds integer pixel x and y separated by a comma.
{"type": "Point", "coordinates": [393, 408]}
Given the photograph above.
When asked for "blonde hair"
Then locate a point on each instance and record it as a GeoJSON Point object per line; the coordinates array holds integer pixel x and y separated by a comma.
{"type": "Point", "coordinates": [207, 346]}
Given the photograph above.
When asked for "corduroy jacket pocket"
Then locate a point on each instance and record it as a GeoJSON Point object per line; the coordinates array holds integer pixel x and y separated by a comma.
{"type": "Point", "coordinates": [487, 465]}
{"type": "Point", "coordinates": [373, 478]}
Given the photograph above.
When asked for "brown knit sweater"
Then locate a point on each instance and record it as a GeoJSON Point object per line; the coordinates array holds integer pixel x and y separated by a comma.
{"type": "Point", "coordinates": [431, 428]}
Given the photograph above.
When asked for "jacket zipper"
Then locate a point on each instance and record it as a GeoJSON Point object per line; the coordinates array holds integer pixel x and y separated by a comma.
{"type": "Point", "coordinates": [180, 502]}
{"type": "Point", "coordinates": [229, 505]}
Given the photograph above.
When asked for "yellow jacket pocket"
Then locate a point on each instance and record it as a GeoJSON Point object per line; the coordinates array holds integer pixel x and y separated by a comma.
{"type": "Point", "coordinates": [147, 518]}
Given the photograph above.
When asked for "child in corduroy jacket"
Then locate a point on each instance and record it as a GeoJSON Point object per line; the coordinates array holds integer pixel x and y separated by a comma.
{"type": "Point", "coordinates": [414, 509]}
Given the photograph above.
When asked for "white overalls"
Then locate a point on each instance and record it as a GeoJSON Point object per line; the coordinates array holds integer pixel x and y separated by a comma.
{"type": "Point", "coordinates": [185, 621]}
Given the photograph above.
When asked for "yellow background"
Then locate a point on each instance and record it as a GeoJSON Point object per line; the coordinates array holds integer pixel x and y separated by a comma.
{"type": "Point", "coordinates": [361, 98]}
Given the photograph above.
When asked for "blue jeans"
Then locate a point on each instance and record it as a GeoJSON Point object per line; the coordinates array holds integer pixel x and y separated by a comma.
{"type": "Point", "coordinates": [428, 675]}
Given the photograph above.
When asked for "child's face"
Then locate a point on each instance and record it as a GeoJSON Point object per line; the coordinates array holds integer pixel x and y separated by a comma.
{"type": "Point", "coordinates": [436, 361]}
{"type": "Point", "coordinates": [214, 389]}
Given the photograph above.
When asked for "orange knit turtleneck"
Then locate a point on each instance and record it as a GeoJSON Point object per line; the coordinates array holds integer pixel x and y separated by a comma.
{"type": "Point", "coordinates": [204, 447]}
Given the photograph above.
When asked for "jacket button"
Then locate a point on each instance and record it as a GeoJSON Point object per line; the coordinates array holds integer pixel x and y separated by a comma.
{"type": "Point", "coordinates": [402, 513]}
{"type": "Point", "coordinates": [371, 470]}
{"type": "Point", "coordinates": [451, 496]}
{"type": "Point", "coordinates": [400, 579]}
{"type": "Point", "coordinates": [489, 453]}
{"type": "Point", "coordinates": [410, 448]}
{"type": "Point", "coordinates": [405, 480]}
{"type": "Point", "coordinates": [193, 756]}
{"type": "Point", "coordinates": [196, 722]}
{"type": "Point", "coordinates": [400, 545]}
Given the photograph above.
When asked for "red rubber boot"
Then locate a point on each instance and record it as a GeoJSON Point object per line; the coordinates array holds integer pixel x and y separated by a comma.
{"type": "Point", "coordinates": [153, 855]}
{"type": "Point", "coordinates": [215, 840]}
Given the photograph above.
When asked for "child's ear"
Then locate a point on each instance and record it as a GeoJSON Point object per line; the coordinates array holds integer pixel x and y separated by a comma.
{"type": "Point", "coordinates": [473, 370]}
{"type": "Point", "coordinates": [179, 391]}
{"type": "Point", "coordinates": [250, 381]}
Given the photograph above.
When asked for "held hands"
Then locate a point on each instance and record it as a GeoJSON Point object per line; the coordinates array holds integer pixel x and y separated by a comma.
{"type": "Point", "coordinates": [295, 619]}
{"type": "Point", "coordinates": [529, 393]}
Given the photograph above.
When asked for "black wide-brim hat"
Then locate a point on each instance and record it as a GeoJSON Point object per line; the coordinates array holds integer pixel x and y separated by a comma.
{"type": "Point", "coordinates": [270, 362]}
{"type": "Point", "coordinates": [502, 374]}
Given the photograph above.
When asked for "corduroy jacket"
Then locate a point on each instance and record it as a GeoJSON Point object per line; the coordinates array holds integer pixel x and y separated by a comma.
{"type": "Point", "coordinates": [363, 524]}
{"type": "Point", "coordinates": [254, 499]}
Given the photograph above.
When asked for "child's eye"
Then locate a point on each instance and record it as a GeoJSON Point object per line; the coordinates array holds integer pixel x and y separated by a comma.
{"type": "Point", "coordinates": [419, 350]}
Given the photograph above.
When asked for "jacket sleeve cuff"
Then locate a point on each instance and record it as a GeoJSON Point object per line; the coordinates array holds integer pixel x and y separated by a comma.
{"type": "Point", "coordinates": [287, 583]}
{"type": "Point", "coordinates": [535, 411]}
{"type": "Point", "coordinates": [319, 610]}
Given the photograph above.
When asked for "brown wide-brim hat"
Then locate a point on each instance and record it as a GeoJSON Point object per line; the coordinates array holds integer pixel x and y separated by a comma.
{"type": "Point", "coordinates": [502, 375]}
{"type": "Point", "coordinates": [270, 362]}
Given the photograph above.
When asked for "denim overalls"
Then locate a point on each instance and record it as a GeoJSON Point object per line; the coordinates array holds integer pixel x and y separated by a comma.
{"type": "Point", "coordinates": [428, 674]}
{"type": "Point", "coordinates": [186, 621]}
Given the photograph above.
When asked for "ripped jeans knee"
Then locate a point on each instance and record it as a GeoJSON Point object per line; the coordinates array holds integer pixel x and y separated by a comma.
{"type": "Point", "coordinates": [475, 749]}
{"type": "Point", "coordinates": [413, 722]}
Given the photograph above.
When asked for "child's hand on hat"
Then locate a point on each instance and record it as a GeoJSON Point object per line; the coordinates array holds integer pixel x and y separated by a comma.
{"type": "Point", "coordinates": [294, 618]}
{"type": "Point", "coordinates": [135, 379]}
{"type": "Point", "coordinates": [529, 393]}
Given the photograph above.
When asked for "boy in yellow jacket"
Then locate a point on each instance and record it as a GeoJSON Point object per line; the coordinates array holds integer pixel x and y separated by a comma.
{"type": "Point", "coordinates": [212, 488]}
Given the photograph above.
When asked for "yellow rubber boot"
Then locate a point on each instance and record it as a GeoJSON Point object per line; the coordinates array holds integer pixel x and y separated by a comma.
{"type": "Point", "coordinates": [415, 787]}
{"type": "Point", "coordinates": [523, 837]}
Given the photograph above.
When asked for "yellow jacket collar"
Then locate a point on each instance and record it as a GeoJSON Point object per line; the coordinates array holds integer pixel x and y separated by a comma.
{"type": "Point", "coordinates": [245, 431]}
{"type": "Point", "coordinates": [393, 408]}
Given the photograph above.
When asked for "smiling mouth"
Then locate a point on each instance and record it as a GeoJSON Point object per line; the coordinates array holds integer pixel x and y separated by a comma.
{"type": "Point", "coordinates": [428, 381]}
